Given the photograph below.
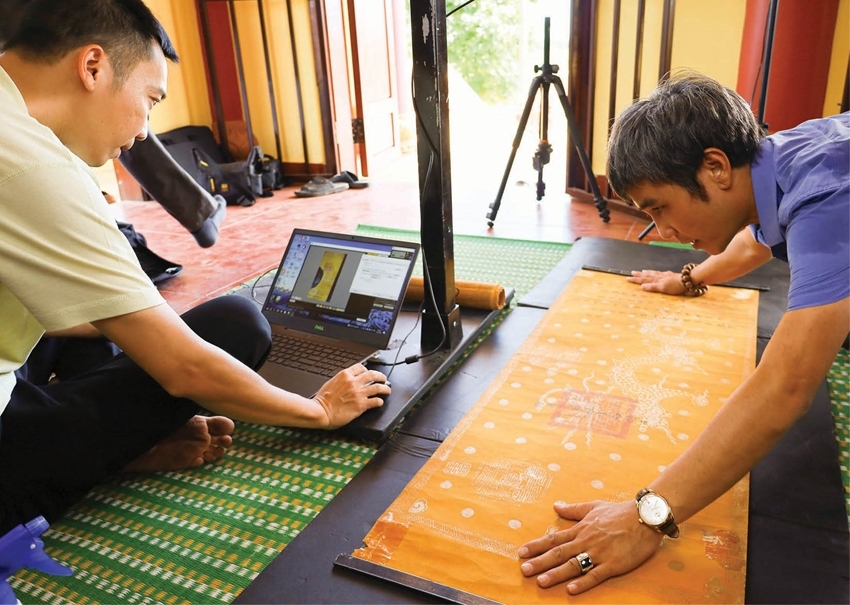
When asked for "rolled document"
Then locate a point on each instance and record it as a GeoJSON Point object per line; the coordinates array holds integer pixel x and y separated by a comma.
{"type": "Point", "coordinates": [471, 294]}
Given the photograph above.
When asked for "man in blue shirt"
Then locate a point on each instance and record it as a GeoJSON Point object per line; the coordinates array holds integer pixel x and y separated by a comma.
{"type": "Point", "coordinates": [692, 156]}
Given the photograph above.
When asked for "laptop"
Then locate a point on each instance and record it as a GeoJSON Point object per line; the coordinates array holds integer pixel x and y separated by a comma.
{"type": "Point", "coordinates": [333, 302]}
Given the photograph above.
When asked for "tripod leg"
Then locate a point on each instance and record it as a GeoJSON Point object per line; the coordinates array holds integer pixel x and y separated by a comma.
{"type": "Point", "coordinates": [575, 135]}
{"type": "Point", "coordinates": [646, 231]}
{"type": "Point", "coordinates": [532, 93]}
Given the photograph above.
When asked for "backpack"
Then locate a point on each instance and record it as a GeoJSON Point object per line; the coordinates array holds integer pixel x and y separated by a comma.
{"type": "Point", "coordinates": [231, 180]}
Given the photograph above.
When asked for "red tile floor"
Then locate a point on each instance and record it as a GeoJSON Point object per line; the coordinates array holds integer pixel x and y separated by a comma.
{"type": "Point", "coordinates": [252, 239]}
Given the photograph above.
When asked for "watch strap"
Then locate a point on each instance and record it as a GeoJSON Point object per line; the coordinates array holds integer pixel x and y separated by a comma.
{"type": "Point", "coordinates": [642, 493]}
{"type": "Point", "coordinates": [669, 527]}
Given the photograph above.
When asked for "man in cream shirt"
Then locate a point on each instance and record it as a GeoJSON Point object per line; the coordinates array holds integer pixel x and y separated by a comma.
{"type": "Point", "coordinates": [77, 81]}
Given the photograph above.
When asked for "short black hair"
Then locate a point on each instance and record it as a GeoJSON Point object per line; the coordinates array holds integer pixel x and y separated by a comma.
{"type": "Point", "coordinates": [661, 139]}
{"type": "Point", "coordinates": [126, 29]}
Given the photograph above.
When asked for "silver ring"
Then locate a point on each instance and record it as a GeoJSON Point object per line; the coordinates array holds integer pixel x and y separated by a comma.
{"type": "Point", "coordinates": [585, 563]}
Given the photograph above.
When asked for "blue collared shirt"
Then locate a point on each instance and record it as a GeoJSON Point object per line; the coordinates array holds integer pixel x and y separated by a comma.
{"type": "Point", "coordinates": [801, 180]}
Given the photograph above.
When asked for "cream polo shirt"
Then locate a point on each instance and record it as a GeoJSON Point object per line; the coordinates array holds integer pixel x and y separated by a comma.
{"type": "Point", "coordinates": [63, 261]}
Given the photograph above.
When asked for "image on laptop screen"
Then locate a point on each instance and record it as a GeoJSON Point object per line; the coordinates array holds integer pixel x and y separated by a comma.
{"type": "Point", "coordinates": [340, 283]}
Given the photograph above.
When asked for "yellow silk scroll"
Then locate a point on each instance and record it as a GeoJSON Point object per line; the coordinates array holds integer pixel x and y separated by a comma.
{"type": "Point", "coordinates": [609, 388]}
{"type": "Point", "coordinates": [326, 276]}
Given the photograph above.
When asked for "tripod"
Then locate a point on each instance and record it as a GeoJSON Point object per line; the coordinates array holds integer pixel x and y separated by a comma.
{"type": "Point", "coordinates": [542, 82]}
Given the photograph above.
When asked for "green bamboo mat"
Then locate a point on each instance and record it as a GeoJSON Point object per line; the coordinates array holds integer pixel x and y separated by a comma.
{"type": "Point", "coordinates": [201, 536]}
{"type": "Point", "coordinates": [514, 263]}
{"type": "Point", "coordinates": [838, 384]}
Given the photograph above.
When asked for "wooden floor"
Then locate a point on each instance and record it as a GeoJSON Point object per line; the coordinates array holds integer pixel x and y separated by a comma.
{"type": "Point", "coordinates": [252, 239]}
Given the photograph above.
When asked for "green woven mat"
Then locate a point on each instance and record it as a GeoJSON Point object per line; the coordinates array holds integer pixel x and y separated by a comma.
{"type": "Point", "coordinates": [201, 536]}
{"type": "Point", "coordinates": [838, 384]}
{"type": "Point", "coordinates": [514, 263]}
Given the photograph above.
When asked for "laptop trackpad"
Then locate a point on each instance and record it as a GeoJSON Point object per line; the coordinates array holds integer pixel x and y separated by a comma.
{"type": "Point", "coordinates": [292, 380]}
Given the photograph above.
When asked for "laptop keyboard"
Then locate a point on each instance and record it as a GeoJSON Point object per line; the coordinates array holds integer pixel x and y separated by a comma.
{"type": "Point", "coordinates": [311, 356]}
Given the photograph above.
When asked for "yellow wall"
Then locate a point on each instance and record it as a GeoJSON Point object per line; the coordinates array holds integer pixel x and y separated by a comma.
{"type": "Point", "coordinates": [706, 37]}
{"type": "Point", "coordinates": [283, 77]}
{"type": "Point", "coordinates": [188, 100]}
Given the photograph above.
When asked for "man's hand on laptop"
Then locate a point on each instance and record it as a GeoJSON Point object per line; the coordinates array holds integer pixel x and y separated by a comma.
{"type": "Point", "coordinates": [350, 393]}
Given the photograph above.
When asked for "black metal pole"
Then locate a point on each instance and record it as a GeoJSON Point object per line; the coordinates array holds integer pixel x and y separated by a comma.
{"type": "Point", "coordinates": [441, 327]}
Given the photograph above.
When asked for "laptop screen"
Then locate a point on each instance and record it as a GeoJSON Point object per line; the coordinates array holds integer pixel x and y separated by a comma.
{"type": "Point", "coordinates": [341, 286]}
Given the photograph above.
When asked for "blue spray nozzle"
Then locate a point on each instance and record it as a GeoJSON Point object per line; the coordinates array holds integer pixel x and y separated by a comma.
{"type": "Point", "coordinates": [21, 548]}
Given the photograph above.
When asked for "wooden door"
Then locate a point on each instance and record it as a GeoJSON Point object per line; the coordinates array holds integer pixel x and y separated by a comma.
{"type": "Point", "coordinates": [376, 98]}
{"type": "Point", "coordinates": [339, 74]}
{"type": "Point", "coordinates": [361, 43]}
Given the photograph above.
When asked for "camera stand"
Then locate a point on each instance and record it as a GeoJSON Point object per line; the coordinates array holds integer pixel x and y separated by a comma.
{"type": "Point", "coordinates": [540, 83]}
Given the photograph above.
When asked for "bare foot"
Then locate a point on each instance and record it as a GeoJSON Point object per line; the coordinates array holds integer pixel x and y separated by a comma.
{"type": "Point", "coordinates": [202, 439]}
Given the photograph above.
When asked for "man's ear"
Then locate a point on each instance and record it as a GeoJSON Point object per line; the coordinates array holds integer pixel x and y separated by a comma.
{"type": "Point", "coordinates": [93, 67]}
{"type": "Point", "coordinates": [716, 167]}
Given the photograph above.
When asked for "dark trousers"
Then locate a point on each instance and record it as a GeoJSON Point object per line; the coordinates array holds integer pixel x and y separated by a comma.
{"type": "Point", "coordinates": [59, 440]}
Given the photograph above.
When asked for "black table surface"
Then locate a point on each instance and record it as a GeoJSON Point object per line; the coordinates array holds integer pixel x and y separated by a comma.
{"type": "Point", "coordinates": [798, 546]}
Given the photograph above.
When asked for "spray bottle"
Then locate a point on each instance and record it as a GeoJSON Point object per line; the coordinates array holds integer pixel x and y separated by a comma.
{"type": "Point", "coordinates": [21, 548]}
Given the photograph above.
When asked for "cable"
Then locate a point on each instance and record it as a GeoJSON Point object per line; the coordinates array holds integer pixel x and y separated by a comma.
{"type": "Point", "coordinates": [412, 358]}
{"type": "Point", "coordinates": [760, 67]}
{"type": "Point", "coordinates": [457, 8]}
{"type": "Point", "coordinates": [256, 282]}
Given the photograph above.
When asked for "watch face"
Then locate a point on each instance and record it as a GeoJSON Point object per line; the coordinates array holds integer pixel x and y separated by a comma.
{"type": "Point", "coordinates": [653, 510]}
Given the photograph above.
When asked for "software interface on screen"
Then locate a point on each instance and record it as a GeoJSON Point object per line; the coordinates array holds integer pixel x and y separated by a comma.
{"type": "Point", "coordinates": [350, 283]}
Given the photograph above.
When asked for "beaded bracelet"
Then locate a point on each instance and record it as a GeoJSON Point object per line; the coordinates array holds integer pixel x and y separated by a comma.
{"type": "Point", "coordinates": [692, 289]}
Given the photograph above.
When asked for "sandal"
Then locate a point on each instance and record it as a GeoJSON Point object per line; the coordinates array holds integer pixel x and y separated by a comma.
{"type": "Point", "coordinates": [319, 185]}
{"type": "Point", "coordinates": [348, 177]}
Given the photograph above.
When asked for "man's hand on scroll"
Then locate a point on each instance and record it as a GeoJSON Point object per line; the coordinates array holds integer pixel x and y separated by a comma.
{"type": "Point", "coordinates": [742, 255]}
{"type": "Point", "coordinates": [607, 541]}
{"type": "Point", "coordinates": [664, 282]}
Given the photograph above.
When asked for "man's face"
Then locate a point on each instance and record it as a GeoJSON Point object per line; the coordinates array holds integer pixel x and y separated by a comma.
{"type": "Point", "coordinates": [116, 116]}
{"type": "Point", "coordinates": [706, 224]}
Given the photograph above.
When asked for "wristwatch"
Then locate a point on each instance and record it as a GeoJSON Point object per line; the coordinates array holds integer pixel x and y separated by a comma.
{"type": "Point", "coordinates": [654, 512]}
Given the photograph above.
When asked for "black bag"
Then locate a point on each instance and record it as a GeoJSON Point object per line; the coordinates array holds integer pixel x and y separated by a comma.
{"type": "Point", "coordinates": [231, 180]}
{"type": "Point", "coordinates": [254, 169]}
{"type": "Point", "coordinates": [196, 150]}
{"type": "Point", "coordinates": [272, 174]}
{"type": "Point", "coordinates": [181, 141]}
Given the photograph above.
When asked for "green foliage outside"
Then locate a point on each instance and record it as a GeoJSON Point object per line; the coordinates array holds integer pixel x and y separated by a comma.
{"type": "Point", "coordinates": [495, 44]}
{"type": "Point", "coordinates": [485, 41]}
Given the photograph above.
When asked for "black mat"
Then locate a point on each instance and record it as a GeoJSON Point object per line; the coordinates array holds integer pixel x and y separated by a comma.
{"type": "Point", "coordinates": [798, 549]}
{"type": "Point", "coordinates": [410, 382]}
